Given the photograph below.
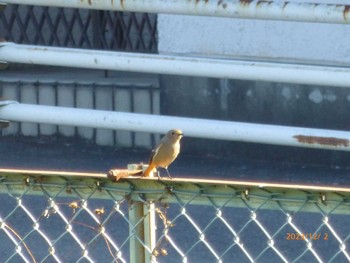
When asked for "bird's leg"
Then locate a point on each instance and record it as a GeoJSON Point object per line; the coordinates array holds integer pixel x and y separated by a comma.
{"type": "Point", "coordinates": [169, 176]}
{"type": "Point", "coordinates": [158, 174]}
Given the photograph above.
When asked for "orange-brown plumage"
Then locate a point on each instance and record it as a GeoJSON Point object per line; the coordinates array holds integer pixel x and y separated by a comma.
{"type": "Point", "coordinates": [166, 152]}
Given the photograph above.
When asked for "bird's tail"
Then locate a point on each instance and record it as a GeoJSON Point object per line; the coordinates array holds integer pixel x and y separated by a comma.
{"type": "Point", "coordinates": [149, 169]}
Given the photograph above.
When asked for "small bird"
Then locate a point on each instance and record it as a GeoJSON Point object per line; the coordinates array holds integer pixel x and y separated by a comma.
{"type": "Point", "coordinates": [165, 153]}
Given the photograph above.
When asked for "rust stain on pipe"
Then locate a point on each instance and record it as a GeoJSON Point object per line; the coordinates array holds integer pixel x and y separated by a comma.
{"type": "Point", "coordinates": [330, 141]}
{"type": "Point", "coordinates": [122, 3]}
{"type": "Point", "coordinates": [285, 4]}
{"type": "Point", "coordinates": [245, 2]}
{"type": "Point", "coordinates": [261, 2]}
{"type": "Point", "coordinates": [346, 12]}
{"type": "Point", "coordinates": [258, 3]}
{"type": "Point", "coordinates": [221, 2]}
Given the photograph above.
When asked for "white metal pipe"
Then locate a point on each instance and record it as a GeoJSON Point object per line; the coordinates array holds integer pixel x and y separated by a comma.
{"type": "Point", "coordinates": [176, 65]}
{"type": "Point", "coordinates": [253, 9]}
{"type": "Point", "coordinates": [192, 127]}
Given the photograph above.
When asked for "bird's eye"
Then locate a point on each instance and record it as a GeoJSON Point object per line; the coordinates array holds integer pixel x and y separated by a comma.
{"type": "Point", "coordinates": [173, 133]}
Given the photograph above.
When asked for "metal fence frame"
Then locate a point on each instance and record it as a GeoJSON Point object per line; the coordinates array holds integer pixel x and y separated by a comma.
{"type": "Point", "coordinates": [148, 200]}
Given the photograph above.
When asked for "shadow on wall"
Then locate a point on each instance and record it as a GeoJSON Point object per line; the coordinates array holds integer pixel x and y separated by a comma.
{"type": "Point", "coordinates": [259, 102]}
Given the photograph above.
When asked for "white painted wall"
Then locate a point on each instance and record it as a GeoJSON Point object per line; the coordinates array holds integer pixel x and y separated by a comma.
{"type": "Point", "coordinates": [261, 39]}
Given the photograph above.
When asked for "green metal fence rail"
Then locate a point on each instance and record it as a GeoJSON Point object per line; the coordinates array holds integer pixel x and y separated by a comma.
{"type": "Point", "coordinates": [80, 217]}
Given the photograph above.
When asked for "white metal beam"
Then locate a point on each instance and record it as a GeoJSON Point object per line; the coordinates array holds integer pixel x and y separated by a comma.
{"type": "Point", "coordinates": [253, 9]}
{"type": "Point", "coordinates": [192, 127]}
{"type": "Point", "coordinates": [176, 65]}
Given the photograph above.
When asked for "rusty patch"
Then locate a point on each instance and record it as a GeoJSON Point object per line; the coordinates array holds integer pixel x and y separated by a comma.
{"type": "Point", "coordinates": [285, 4]}
{"type": "Point", "coordinates": [221, 2]}
{"type": "Point", "coordinates": [122, 3]}
{"type": "Point", "coordinates": [245, 2]}
{"type": "Point", "coordinates": [346, 12]}
{"type": "Point", "coordinates": [197, 1]}
{"type": "Point", "coordinates": [261, 2]}
{"type": "Point", "coordinates": [330, 141]}
{"type": "Point", "coordinates": [90, 2]}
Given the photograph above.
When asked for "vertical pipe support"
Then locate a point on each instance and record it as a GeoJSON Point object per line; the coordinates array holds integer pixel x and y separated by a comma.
{"type": "Point", "coordinates": [150, 227]}
{"type": "Point", "coordinates": [136, 233]}
{"type": "Point", "coordinates": [142, 230]}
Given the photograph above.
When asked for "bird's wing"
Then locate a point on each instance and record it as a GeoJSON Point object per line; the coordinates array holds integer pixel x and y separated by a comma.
{"type": "Point", "coordinates": [155, 150]}
{"type": "Point", "coordinates": [159, 145]}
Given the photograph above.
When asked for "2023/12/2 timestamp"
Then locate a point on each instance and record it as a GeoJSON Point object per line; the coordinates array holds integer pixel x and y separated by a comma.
{"type": "Point", "coordinates": [307, 236]}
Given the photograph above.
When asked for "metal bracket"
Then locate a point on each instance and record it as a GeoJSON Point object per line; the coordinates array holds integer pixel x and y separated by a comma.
{"type": "Point", "coordinates": [7, 102]}
{"type": "Point", "coordinates": [3, 65]}
{"type": "Point", "coordinates": [2, 6]}
{"type": "Point", "coordinates": [4, 124]}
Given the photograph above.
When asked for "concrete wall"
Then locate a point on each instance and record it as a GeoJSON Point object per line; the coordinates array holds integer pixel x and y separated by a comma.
{"type": "Point", "coordinates": [260, 39]}
{"type": "Point", "coordinates": [250, 101]}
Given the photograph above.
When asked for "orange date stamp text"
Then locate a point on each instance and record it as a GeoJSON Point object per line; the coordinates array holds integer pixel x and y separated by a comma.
{"type": "Point", "coordinates": [307, 236]}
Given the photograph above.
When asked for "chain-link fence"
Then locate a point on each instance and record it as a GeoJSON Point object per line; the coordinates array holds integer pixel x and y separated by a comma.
{"type": "Point", "coordinates": [51, 26]}
{"type": "Point", "coordinates": [67, 217]}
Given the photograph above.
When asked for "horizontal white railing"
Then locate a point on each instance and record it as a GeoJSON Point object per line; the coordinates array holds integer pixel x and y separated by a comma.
{"type": "Point", "coordinates": [192, 127]}
{"type": "Point", "coordinates": [253, 9]}
{"type": "Point", "coordinates": [176, 65]}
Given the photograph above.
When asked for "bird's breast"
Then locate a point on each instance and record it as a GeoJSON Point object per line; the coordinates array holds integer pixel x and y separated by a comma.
{"type": "Point", "coordinates": [166, 154]}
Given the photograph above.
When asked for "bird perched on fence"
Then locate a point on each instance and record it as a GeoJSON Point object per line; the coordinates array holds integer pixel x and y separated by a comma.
{"type": "Point", "coordinates": [165, 153]}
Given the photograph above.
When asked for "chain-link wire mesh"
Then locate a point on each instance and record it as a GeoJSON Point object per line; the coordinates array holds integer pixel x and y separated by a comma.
{"type": "Point", "coordinates": [53, 26]}
{"type": "Point", "coordinates": [63, 217]}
